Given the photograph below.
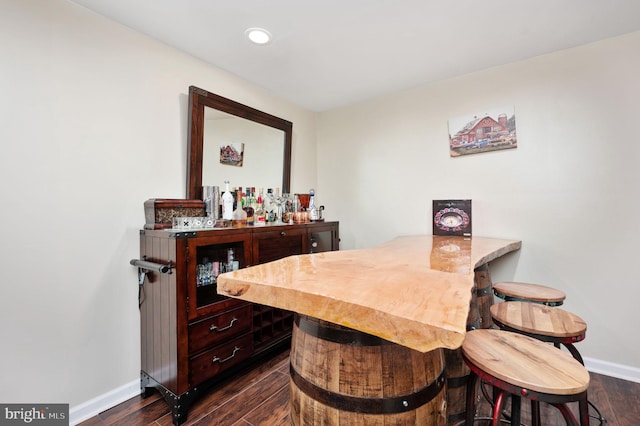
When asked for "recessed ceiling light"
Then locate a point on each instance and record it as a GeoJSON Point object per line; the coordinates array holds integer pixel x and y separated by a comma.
{"type": "Point", "coordinates": [258, 35]}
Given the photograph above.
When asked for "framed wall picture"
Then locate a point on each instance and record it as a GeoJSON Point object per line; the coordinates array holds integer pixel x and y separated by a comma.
{"type": "Point", "coordinates": [452, 217]}
{"type": "Point", "coordinates": [232, 154]}
{"type": "Point", "coordinates": [490, 130]}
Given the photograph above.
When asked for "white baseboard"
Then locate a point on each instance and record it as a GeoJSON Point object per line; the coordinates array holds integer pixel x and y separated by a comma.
{"type": "Point", "coordinates": [110, 399]}
{"type": "Point", "coordinates": [86, 410]}
{"type": "Point", "coordinates": [611, 369]}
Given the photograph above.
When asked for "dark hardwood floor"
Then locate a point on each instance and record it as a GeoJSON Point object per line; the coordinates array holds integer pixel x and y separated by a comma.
{"type": "Point", "coordinates": [260, 397]}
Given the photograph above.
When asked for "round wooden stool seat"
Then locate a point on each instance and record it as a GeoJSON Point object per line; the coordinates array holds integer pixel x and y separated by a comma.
{"type": "Point", "coordinates": [541, 322]}
{"type": "Point", "coordinates": [522, 366]}
{"type": "Point", "coordinates": [527, 292]}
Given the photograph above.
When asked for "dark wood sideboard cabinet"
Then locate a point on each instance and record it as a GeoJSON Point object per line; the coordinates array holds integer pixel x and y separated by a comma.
{"type": "Point", "coordinates": [191, 337]}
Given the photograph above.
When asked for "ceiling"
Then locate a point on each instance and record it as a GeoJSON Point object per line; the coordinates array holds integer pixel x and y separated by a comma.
{"type": "Point", "coordinates": [330, 53]}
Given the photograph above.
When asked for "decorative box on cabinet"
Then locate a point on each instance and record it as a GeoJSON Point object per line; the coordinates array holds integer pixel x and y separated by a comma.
{"type": "Point", "coordinates": [191, 336]}
{"type": "Point", "coordinates": [159, 212]}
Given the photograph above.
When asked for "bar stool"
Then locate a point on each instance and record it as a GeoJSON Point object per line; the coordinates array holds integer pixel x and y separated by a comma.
{"type": "Point", "coordinates": [520, 366]}
{"type": "Point", "coordinates": [526, 292]}
{"type": "Point", "coordinates": [548, 324]}
{"type": "Point", "coordinates": [554, 325]}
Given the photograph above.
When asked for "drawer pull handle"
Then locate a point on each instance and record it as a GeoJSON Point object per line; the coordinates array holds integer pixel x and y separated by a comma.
{"type": "Point", "coordinates": [215, 327]}
{"type": "Point", "coordinates": [216, 359]}
{"type": "Point", "coordinates": [283, 234]}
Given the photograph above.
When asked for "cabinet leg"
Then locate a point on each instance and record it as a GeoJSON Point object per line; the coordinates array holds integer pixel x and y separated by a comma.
{"type": "Point", "coordinates": [145, 389]}
{"type": "Point", "coordinates": [145, 392]}
{"type": "Point", "coordinates": [179, 404]}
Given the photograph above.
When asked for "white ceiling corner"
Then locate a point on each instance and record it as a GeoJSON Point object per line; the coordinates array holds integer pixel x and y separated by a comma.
{"type": "Point", "coordinates": [335, 52]}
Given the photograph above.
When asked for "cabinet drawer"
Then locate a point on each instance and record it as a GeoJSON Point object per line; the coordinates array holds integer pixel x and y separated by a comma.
{"type": "Point", "coordinates": [216, 329]}
{"type": "Point", "coordinates": [276, 244]}
{"type": "Point", "coordinates": [220, 358]}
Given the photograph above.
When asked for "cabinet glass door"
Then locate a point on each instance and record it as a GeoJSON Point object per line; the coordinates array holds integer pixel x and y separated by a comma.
{"type": "Point", "coordinates": [323, 238]}
{"type": "Point", "coordinates": [208, 258]}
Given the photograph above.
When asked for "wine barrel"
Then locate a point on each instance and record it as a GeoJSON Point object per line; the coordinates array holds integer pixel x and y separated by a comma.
{"type": "Point", "coordinates": [457, 371]}
{"type": "Point", "coordinates": [341, 376]}
{"type": "Point", "coordinates": [474, 320]}
{"type": "Point", "coordinates": [484, 291]}
{"type": "Point", "coordinates": [457, 377]}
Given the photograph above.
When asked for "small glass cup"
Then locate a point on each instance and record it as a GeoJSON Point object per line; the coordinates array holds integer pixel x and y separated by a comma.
{"type": "Point", "coordinates": [181, 222]}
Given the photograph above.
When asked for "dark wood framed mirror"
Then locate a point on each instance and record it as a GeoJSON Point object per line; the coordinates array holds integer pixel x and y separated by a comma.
{"type": "Point", "coordinates": [206, 109]}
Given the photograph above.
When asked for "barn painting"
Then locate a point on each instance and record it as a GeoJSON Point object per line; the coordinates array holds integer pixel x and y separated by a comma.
{"type": "Point", "coordinates": [492, 130]}
{"type": "Point", "coordinates": [232, 154]}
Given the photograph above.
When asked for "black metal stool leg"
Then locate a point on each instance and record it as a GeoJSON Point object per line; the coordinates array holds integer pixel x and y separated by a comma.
{"type": "Point", "coordinates": [598, 415]}
{"type": "Point", "coordinates": [583, 405]}
{"type": "Point", "coordinates": [535, 412]}
{"type": "Point", "coordinates": [574, 352]}
{"type": "Point", "coordinates": [515, 409]}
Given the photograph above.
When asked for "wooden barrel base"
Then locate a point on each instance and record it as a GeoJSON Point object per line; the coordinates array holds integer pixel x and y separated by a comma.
{"type": "Point", "coordinates": [457, 377]}
{"type": "Point", "coordinates": [484, 291]}
{"type": "Point", "coordinates": [340, 376]}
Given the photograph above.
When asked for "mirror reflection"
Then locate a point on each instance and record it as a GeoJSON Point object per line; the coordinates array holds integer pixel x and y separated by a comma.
{"type": "Point", "coordinates": [261, 142]}
{"type": "Point", "coordinates": [261, 148]}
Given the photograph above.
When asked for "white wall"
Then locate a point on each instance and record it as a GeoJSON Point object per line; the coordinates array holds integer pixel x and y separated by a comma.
{"type": "Point", "coordinates": [93, 123]}
{"type": "Point", "coordinates": [569, 191]}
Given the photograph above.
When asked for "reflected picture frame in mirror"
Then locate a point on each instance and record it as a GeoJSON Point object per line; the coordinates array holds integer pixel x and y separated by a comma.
{"type": "Point", "coordinates": [200, 101]}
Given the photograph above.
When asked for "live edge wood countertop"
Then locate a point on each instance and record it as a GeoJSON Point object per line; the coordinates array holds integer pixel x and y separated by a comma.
{"type": "Point", "coordinates": [413, 290]}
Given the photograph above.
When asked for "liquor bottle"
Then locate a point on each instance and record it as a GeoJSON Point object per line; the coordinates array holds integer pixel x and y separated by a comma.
{"type": "Point", "coordinates": [211, 198]}
{"type": "Point", "coordinates": [248, 209]}
{"type": "Point", "coordinates": [232, 264]}
{"type": "Point", "coordinates": [268, 206]}
{"type": "Point", "coordinates": [246, 198]}
{"type": "Point", "coordinates": [313, 210]}
{"type": "Point", "coordinates": [296, 207]}
{"type": "Point", "coordinates": [208, 271]}
{"type": "Point", "coordinates": [277, 206]}
{"type": "Point", "coordinates": [258, 199]}
{"type": "Point", "coordinates": [239, 217]}
{"type": "Point", "coordinates": [253, 200]}
{"type": "Point", "coordinates": [260, 217]}
{"type": "Point", "coordinates": [227, 202]}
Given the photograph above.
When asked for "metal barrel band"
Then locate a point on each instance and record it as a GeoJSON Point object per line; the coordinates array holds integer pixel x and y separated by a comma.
{"type": "Point", "coordinates": [366, 405]}
{"type": "Point", "coordinates": [340, 335]}
{"type": "Point", "coordinates": [484, 291]}
{"type": "Point", "coordinates": [456, 382]}
{"type": "Point", "coordinates": [474, 325]}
